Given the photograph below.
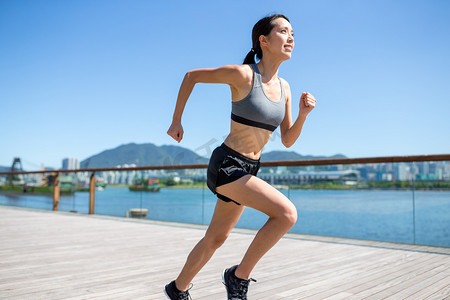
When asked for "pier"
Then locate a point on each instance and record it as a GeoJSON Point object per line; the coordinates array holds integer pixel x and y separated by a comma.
{"type": "Point", "coordinates": [60, 255]}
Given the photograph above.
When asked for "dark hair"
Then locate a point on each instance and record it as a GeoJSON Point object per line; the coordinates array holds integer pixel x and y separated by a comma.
{"type": "Point", "coordinates": [262, 27]}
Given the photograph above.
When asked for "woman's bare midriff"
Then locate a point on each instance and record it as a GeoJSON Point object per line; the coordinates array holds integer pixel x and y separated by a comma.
{"type": "Point", "coordinates": [247, 140]}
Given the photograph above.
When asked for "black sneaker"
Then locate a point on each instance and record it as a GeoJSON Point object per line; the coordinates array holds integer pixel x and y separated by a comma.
{"type": "Point", "coordinates": [236, 288]}
{"type": "Point", "coordinates": [173, 293]}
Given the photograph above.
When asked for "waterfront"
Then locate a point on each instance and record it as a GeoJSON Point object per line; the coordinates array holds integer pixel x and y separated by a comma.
{"type": "Point", "coordinates": [391, 216]}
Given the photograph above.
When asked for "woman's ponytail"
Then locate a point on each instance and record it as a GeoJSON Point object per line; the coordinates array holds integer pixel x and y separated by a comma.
{"type": "Point", "coordinates": [250, 58]}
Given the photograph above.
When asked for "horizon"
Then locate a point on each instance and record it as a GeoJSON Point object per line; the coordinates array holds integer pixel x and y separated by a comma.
{"type": "Point", "coordinates": [78, 78]}
{"type": "Point", "coordinates": [206, 157]}
{"type": "Point", "coordinates": [179, 146]}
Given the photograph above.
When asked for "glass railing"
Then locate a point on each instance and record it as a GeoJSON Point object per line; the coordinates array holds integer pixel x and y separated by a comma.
{"type": "Point", "coordinates": [401, 202]}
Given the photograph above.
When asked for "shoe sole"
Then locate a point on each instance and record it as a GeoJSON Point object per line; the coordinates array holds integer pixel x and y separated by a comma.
{"type": "Point", "coordinates": [166, 293]}
{"type": "Point", "coordinates": [223, 281]}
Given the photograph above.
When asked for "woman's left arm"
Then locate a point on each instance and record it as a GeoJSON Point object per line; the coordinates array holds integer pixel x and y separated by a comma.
{"type": "Point", "coordinates": [290, 132]}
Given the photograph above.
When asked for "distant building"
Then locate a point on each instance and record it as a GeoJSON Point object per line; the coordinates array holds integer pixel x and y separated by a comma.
{"type": "Point", "coordinates": [403, 172]}
{"type": "Point", "coordinates": [70, 164]}
{"type": "Point", "coordinates": [350, 177]}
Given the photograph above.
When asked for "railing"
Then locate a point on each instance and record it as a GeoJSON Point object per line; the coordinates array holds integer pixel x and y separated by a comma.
{"type": "Point", "coordinates": [299, 163]}
{"type": "Point", "coordinates": [287, 163]}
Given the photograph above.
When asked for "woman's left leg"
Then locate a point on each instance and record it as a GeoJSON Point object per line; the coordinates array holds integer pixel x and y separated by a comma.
{"type": "Point", "coordinates": [225, 217]}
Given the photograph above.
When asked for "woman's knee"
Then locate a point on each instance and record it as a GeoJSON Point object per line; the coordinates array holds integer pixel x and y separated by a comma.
{"type": "Point", "coordinates": [214, 241]}
{"type": "Point", "coordinates": [291, 215]}
{"type": "Point", "coordinates": [288, 214]}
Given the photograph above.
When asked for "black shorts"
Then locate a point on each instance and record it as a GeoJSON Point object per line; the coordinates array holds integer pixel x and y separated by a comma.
{"type": "Point", "coordinates": [227, 165]}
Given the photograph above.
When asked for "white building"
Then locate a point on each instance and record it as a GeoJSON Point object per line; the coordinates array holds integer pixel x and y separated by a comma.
{"type": "Point", "coordinates": [70, 164]}
{"type": "Point", "coordinates": [403, 172]}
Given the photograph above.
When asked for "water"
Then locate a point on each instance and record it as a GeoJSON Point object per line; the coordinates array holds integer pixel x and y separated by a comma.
{"type": "Point", "coordinates": [369, 215]}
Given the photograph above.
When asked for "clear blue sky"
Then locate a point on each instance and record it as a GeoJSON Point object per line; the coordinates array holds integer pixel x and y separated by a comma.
{"type": "Point", "coordinates": [79, 77]}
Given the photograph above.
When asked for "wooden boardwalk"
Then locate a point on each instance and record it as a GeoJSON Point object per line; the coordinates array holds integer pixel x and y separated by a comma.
{"type": "Point", "coordinates": [56, 255]}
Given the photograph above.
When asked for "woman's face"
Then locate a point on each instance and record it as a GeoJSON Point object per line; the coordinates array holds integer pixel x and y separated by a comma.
{"type": "Point", "coordinates": [280, 40]}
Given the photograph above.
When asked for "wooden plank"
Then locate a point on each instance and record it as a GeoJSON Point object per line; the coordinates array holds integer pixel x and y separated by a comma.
{"type": "Point", "coordinates": [435, 287]}
{"type": "Point", "coordinates": [96, 257]}
{"type": "Point", "coordinates": [442, 293]}
{"type": "Point", "coordinates": [392, 276]}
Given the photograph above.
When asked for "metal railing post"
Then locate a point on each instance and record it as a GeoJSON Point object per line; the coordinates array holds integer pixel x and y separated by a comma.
{"type": "Point", "coordinates": [56, 192]}
{"type": "Point", "coordinates": [92, 194]}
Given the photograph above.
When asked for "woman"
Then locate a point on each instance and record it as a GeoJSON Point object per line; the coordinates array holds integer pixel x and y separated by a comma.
{"type": "Point", "coordinates": [261, 101]}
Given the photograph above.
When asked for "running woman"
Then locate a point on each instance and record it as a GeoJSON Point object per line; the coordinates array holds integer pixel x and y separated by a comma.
{"type": "Point", "coordinates": [261, 101]}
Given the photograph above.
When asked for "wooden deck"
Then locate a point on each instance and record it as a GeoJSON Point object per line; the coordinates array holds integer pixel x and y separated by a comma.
{"type": "Point", "coordinates": [56, 255]}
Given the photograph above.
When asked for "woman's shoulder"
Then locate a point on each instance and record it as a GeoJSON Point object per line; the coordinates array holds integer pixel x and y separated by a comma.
{"type": "Point", "coordinates": [237, 68]}
{"type": "Point", "coordinates": [243, 72]}
{"type": "Point", "coordinates": [238, 71]}
{"type": "Point", "coordinates": [285, 84]}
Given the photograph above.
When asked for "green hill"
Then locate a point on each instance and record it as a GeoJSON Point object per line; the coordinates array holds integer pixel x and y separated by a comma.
{"type": "Point", "coordinates": [152, 155]}
{"type": "Point", "coordinates": [291, 155]}
{"type": "Point", "coordinates": [143, 155]}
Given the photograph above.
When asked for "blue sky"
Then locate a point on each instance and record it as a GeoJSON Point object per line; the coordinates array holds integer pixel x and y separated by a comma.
{"type": "Point", "coordinates": [79, 77]}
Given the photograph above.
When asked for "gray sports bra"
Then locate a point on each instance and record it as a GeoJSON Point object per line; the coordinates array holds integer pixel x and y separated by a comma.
{"type": "Point", "coordinates": [256, 109]}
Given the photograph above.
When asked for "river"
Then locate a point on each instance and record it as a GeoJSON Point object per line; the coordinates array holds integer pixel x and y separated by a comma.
{"type": "Point", "coordinates": [422, 217]}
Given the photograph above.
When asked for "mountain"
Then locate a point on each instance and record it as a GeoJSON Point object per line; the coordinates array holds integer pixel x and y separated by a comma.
{"type": "Point", "coordinates": [143, 155]}
{"type": "Point", "coordinates": [4, 169]}
{"type": "Point", "coordinates": [152, 155]}
{"type": "Point", "coordinates": [291, 155]}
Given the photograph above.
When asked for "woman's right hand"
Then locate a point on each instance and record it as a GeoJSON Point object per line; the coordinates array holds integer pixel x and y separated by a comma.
{"type": "Point", "coordinates": [176, 131]}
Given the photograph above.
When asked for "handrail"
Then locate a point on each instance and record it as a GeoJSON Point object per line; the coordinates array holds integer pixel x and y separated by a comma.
{"type": "Point", "coordinates": [287, 163]}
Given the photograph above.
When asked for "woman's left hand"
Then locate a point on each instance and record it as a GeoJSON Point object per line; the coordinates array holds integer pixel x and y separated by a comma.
{"type": "Point", "coordinates": [307, 103]}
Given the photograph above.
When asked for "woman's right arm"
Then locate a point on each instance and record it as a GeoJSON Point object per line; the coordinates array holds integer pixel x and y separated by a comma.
{"type": "Point", "coordinates": [230, 74]}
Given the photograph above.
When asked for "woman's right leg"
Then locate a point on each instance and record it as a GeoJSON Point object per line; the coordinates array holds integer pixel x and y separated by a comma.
{"type": "Point", "coordinates": [225, 217]}
{"type": "Point", "coordinates": [253, 192]}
